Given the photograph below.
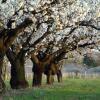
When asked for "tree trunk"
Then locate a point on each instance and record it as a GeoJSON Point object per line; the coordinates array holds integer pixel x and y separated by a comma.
{"type": "Point", "coordinates": [18, 76]}
{"type": "Point", "coordinates": [2, 84]}
{"type": "Point", "coordinates": [17, 69]}
{"type": "Point", "coordinates": [37, 71]}
{"type": "Point", "coordinates": [50, 78]}
{"type": "Point", "coordinates": [14, 78]}
{"type": "Point", "coordinates": [37, 79]}
{"type": "Point", "coordinates": [59, 76]}
{"type": "Point", "coordinates": [37, 76]}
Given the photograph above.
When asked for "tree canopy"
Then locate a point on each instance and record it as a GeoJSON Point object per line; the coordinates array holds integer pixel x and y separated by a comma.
{"type": "Point", "coordinates": [54, 27]}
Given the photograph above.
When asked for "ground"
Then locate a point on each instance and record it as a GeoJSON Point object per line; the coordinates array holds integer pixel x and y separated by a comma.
{"type": "Point", "coordinates": [69, 89]}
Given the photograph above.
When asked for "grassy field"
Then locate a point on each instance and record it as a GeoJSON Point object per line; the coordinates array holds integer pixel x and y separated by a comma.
{"type": "Point", "coordinates": [69, 89]}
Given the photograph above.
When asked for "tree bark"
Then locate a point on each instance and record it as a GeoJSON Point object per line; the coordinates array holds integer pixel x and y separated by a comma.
{"type": "Point", "coordinates": [59, 76]}
{"type": "Point", "coordinates": [17, 80]}
{"type": "Point", "coordinates": [2, 84]}
{"type": "Point", "coordinates": [50, 77]}
{"type": "Point", "coordinates": [14, 78]}
{"type": "Point", "coordinates": [22, 83]}
{"type": "Point", "coordinates": [37, 74]}
{"type": "Point", "coordinates": [37, 79]}
{"type": "Point", "coordinates": [37, 70]}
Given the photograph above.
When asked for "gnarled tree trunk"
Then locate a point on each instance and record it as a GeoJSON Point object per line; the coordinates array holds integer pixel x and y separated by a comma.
{"type": "Point", "coordinates": [38, 67]}
{"type": "Point", "coordinates": [50, 78]}
{"type": "Point", "coordinates": [18, 80]}
{"type": "Point", "coordinates": [37, 73]}
{"type": "Point", "coordinates": [37, 79]}
{"type": "Point", "coordinates": [6, 38]}
{"type": "Point", "coordinates": [17, 69]}
{"type": "Point", "coordinates": [51, 70]}
{"type": "Point", "coordinates": [20, 69]}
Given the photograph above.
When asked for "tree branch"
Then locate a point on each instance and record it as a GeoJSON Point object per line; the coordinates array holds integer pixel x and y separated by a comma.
{"type": "Point", "coordinates": [13, 33]}
{"type": "Point", "coordinates": [10, 55]}
{"type": "Point", "coordinates": [87, 23]}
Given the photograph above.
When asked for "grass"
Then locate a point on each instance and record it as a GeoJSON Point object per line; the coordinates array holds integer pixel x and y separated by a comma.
{"type": "Point", "coordinates": [69, 89]}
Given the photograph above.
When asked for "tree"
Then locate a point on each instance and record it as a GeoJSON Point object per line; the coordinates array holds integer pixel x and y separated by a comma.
{"type": "Point", "coordinates": [77, 27]}
{"type": "Point", "coordinates": [16, 55]}
{"type": "Point", "coordinates": [91, 59]}
{"type": "Point", "coordinates": [7, 36]}
{"type": "Point", "coordinates": [6, 39]}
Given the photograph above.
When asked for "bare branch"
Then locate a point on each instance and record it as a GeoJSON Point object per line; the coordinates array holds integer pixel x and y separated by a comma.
{"type": "Point", "coordinates": [87, 23]}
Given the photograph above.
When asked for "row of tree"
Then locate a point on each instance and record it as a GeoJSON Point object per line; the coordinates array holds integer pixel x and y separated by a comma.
{"type": "Point", "coordinates": [40, 34]}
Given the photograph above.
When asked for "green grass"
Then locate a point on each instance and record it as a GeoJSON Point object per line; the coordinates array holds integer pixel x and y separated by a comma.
{"type": "Point", "coordinates": [69, 89]}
